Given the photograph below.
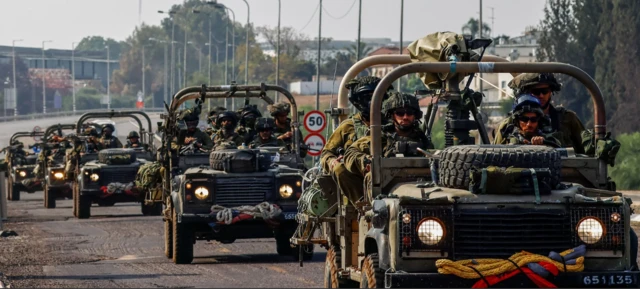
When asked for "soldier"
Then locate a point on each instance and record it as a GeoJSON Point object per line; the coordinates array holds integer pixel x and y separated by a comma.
{"type": "Point", "coordinates": [282, 131]}
{"type": "Point", "coordinates": [133, 140]}
{"type": "Point", "coordinates": [357, 126]}
{"type": "Point", "coordinates": [108, 140]}
{"type": "Point", "coordinates": [529, 125]}
{"type": "Point", "coordinates": [193, 133]}
{"type": "Point", "coordinates": [247, 123]}
{"type": "Point", "coordinates": [264, 128]}
{"type": "Point", "coordinates": [402, 136]}
{"type": "Point", "coordinates": [227, 137]}
{"type": "Point", "coordinates": [564, 121]}
{"type": "Point", "coordinates": [213, 114]}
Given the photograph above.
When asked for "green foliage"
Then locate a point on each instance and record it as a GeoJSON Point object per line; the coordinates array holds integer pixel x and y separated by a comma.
{"type": "Point", "coordinates": [506, 104]}
{"type": "Point", "coordinates": [98, 43]}
{"type": "Point", "coordinates": [411, 83]}
{"type": "Point", "coordinates": [473, 27]}
{"type": "Point", "coordinates": [437, 133]}
{"type": "Point", "coordinates": [626, 172]}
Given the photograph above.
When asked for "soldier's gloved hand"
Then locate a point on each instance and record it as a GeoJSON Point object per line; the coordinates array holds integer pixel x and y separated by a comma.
{"type": "Point", "coordinates": [335, 162]}
{"type": "Point", "coordinates": [607, 149]}
{"type": "Point", "coordinates": [537, 140]}
{"type": "Point", "coordinates": [367, 165]}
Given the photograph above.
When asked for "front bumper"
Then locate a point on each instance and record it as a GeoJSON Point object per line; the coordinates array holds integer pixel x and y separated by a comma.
{"type": "Point", "coordinates": [600, 279]}
{"type": "Point", "coordinates": [190, 218]}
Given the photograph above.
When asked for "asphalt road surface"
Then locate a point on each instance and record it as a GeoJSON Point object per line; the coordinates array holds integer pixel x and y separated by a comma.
{"type": "Point", "coordinates": [118, 247]}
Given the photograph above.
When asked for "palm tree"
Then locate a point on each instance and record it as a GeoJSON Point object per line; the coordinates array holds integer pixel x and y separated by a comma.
{"type": "Point", "coordinates": [473, 27]}
{"type": "Point", "coordinates": [364, 50]}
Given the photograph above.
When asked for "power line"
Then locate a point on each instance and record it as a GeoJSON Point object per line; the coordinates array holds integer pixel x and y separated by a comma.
{"type": "Point", "coordinates": [310, 18]}
{"type": "Point", "coordinates": [343, 16]}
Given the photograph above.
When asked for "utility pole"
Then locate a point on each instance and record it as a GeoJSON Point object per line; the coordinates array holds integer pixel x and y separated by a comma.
{"type": "Point", "coordinates": [246, 54]}
{"type": "Point", "coordinates": [401, 31]}
{"type": "Point", "coordinates": [278, 53]}
{"type": "Point", "coordinates": [73, 76]}
{"type": "Point", "coordinates": [480, 79]}
{"type": "Point", "coordinates": [492, 18]}
{"type": "Point", "coordinates": [15, 86]}
{"type": "Point", "coordinates": [108, 78]}
{"type": "Point", "coordinates": [44, 91]}
{"type": "Point", "coordinates": [359, 24]}
{"type": "Point", "coordinates": [319, 56]}
{"type": "Point", "coordinates": [184, 65]}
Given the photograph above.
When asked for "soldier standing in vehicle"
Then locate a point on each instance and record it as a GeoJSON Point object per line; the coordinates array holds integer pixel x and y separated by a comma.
{"type": "Point", "coordinates": [133, 140]}
{"type": "Point", "coordinates": [357, 126]}
{"type": "Point", "coordinates": [529, 125]}
{"type": "Point", "coordinates": [402, 136]}
{"type": "Point", "coordinates": [108, 140]}
{"type": "Point", "coordinates": [564, 121]}
{"type": "Point", "coordinates": [227, 137]}
{"type": "Point", "coordinates": [247, 123]}
{"type": "Point", "coordinates": [280, 113]}
{"type": "Point", "coordinates": [213, 114]}
{"type": "Point", "coordinates": [193, 133]}
{"type": "Point", "coordinates": [264, 128]}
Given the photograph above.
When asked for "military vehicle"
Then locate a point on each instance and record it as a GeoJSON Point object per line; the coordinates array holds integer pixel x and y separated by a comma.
{"type": "Point", "coordinates": [107, 177]}
{"type": "Point", "coordinates": [439, 220]}
{"type": "Point", "coordinates": [228, 194]}
{"type": "Point", "coordinates": [54, 184]}
{"type": "Point", "coordinates": [19, 165]}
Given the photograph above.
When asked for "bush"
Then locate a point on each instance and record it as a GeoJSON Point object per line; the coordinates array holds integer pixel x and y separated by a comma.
{"type": "Point", "coordinates": [626, 172]}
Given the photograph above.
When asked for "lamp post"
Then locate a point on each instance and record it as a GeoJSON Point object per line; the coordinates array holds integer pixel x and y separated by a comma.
{"type": "Point", "coordinates": [319, 56]}
{"type": "Point", "coordinates": [73, 76]}
{"type": "Point", "coordinates": [278, 53]}
{"type": "Point", "coordinates": [246, 54]}
{"type": "Point", "coordinates": [108, 77]}
{"type": "Point", "coordinates": [210, 60]}
{"type": "Point", "coordinates": [401, 30]}
{"type": "Point", "coordinates": [15, 89]}
{"type": "Point", "coordinates": [199, 55]}
{"type": "Point", "coordinates": [44, 91]}
{"type": "Point", "coordinates": [166, 96]}
{"type": "Point", "coordinates": [233, 41]}
{"type": "Point", "coordinates": [173, 24]}
{"type": "Point", "coordinates": [359, 24]}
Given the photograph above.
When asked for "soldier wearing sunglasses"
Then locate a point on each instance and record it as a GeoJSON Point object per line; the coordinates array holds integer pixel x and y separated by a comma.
{"type": "Point", "coordinates": [530, 125]}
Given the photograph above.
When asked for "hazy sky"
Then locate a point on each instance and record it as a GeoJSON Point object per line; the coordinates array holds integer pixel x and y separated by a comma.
{"type": "Point", "coordinates": [67, 21]}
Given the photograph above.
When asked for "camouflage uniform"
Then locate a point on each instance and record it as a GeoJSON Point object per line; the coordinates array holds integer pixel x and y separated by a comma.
{"type": "Point", "coordinates": [283, 128]}
{"type": "Point", "coordinates": [261, 125]}
{"type": "Point", "coordinates": [565, 122]}
{"type": "Point", "coordinates": [512, 131]}
{"type": "Point", "coordinates": [109, 142]}
{"type": "Point", "coordinates": [357, 156]}
{"type": "Point", "coordinates": [246, 125]}
{"type": "Point", "coordinates": [191, 118]}
{"type": "Point", "coordinates": [227, 137]}
{"type": "Point", "coordinates": [214, 127]}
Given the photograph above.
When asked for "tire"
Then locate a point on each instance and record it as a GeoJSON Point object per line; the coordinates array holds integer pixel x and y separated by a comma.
{"type": "Point", "coordinates": [50, 198]}
{"type": "Point", "coordinates": [76, 199]}
{"type": "Point", "coordinates": [152, 210]}
{"type": "Point", "coordinates": [13, 191]}
{"type": "Point", "coordinates": [168, 239]}
{"type": "Point", "coordinates": [84, 206]}
{"type": "Point", "coordinates": [182, 241]}
{"type": "Point", "coordinates": [372, 275]}
{"type": "Point", "coordinates": [105, 155]}
{"type": "Point", "coordinates": [331, 265]}
{"type": "Point", "coordinates": [456, 162]}
{"type": "Point", "coordinates": [216, 159]}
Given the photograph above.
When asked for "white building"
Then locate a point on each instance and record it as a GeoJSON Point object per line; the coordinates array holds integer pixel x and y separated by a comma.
{"type": "Point", "coordinates": [327, 86]}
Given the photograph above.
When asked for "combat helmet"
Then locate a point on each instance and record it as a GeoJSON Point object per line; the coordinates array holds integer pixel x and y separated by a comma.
{"type": "Point", "coordinates": [246, 111]}
{"type": "Point", "coordinates": [401, 100]}
{"type": "Point", "coordinates": [523, 81]}
{"type": "Point", "coordinates": [265, 123]}
{"type": "Point", "coordinates": [133, 134]}
{"type": "Point", "coordinates": [213, 114]}
{"type": "Point", "coordinates": [230, 115]}
{"type": "Point", "coordinates": [109, 126]}
{"type": "Point", "coordinates": [528, 103]}
{"type": "Point", "coordinates": [360, 92]}
{"type": "Point", "coordinates": [190, 118]}
{"type": "Point", "coordinates": [278, 108]}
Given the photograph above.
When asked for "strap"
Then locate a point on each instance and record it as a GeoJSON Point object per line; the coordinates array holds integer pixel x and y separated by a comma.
{"type": "Point", "coordinates": [534, 177]}
{"type": "Point", "coordinates": [481, 276]}
{"type": "Point", "coordinates": [517, 267]}
{"type": "Point", "coordinates": [564, 263]}
{"type": "Point", "coordinates": [483, 182]}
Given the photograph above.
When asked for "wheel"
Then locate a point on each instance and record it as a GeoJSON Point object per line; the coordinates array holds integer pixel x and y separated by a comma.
{"type": "Point", "coordinates": [168, 239]}
{"type": "Point", "coordinates": [372, 275]}
{"type": "Point", "coordinates": [106, 204]}
{"type": "Point", "coordinates": [284, 247]}
{"type": "Point", "coordinates": [13, 193]}
{"type": "Point", "coordinates": [182, 241]}
{"type": "Point", "coordinates": [76, 199]}
{"type": "Point", "coordinates": [84, 206]}
{"type": "Point", "coordinates": [457, 162]}
{"type": "Point", "coordinates": [151, 210]}
{"type": "Point", "coordinates": [50, 198]}
{"type": "Point", "coordinates": [331, 265]}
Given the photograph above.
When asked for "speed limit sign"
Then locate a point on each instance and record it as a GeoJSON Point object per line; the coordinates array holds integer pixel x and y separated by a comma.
{"type": "Point", "coordinates": [315, 142]}
{"type": "Point", "coordinates": [315, 121]}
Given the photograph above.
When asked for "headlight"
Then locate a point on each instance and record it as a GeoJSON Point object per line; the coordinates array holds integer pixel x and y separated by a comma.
{"type": "Point", "coordinates": [201, 193]}
{"type": "Point", "coordinates": [58, 175]}
{"type": "Point", "coordinates": [22, 173]}
{"type": "Point", "coordinates": [286, 191]}
{"type": "Point", "coordinates": [590, 230]}
{"type": "Point", "coordinates": [430, 231]}
{"type": "Point", "coordinates": [94, 177]}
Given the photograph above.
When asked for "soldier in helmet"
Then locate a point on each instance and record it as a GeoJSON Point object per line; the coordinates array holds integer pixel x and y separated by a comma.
{"type": "Point", "coordinates": [264, 128]}
{"type": "Point", "coordinates": [401, 136]}
{"type": "Point", "coordinates": [563, 121]}
{"type": "Point", "coordinates": [193, 133]}
{"type": "Point", "coordinates": [529, 125]}
{"type": "Point", "coordinates": [247, 123]}
{"type": "Point", "coordinates": [227, 137]}
{"type": "Point", "coordinates": [280, 113]}
{"type": "Point", "coordinates": [108, 140]}
{"type": "Point", "coordinates": [355, 127]}
{"type": "Point", "coordinates": [213, 115]}
{"type": "Point", "coordinates": [133, 140]}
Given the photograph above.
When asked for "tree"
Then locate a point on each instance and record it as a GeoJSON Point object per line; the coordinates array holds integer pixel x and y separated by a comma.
{"type": "Point", "coordinates": [364, 50]}
{"type": "Point", "coordinates": [473, 27]}
{"type": "Point", "coordinates": [98, 43]}
{"type": "Point", "coordinates": [344, 61]}
{"type": "Point", "coordinates": [290, 40]}
{"type": "Point", "coordinates": [626, 172]}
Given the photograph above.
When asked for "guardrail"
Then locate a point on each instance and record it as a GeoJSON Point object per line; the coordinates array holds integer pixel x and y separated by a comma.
{"type": "Point", "coordinates": [66, 113]}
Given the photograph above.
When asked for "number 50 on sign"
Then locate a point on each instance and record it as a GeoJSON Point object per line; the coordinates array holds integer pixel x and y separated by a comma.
{"type": "Point", "coordinates": [315, 121]}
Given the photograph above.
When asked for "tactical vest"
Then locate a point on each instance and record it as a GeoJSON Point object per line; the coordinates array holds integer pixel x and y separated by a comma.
{"type": "Point", "coordinates": [361, 129]}
{"type": "Point", "coordinates": [406, 144]}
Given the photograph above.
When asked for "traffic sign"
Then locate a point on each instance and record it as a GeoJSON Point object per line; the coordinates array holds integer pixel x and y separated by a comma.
{"type": "Point", "coordinates": [37, 129]}
{"type": "Point", "coordinates": [315, 121]}
{"type": "Point", "coordinates": [315, 142]}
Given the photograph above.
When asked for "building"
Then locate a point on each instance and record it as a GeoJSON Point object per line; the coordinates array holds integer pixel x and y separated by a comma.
{"type": "Point", "coordinates": [327, 86]}
{"type": "Point", "coordinates": [382, 69]}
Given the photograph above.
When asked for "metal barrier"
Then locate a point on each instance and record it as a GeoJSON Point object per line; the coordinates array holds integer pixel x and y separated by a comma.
{"type": "Point", "coordinates": [67, 113]}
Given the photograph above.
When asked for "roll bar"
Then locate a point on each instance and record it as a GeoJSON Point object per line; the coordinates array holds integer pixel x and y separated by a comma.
{"type": "Point", "coordinates": [112, 114]}
{"type": "Point", "coordinates": [343, 93]}
{"type": "Point", "coordinates": [22, 134]}
{"type": "Point", "coordinates": [49, 130]}
{"type": "Point", "coordinates": [487, 67]}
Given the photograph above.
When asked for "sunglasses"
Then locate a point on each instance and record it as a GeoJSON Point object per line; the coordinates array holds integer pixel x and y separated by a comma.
{"type": "Point", "coordinates": [525, 119]}
{"type": "Point", "coordinates": [538, 91]}
{"type": "Point", "coordinates": [403, 112]}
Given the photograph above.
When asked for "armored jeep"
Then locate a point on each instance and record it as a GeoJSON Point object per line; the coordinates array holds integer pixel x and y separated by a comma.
{"type": "Point", "coordinates": [231, 193]}
{"type": "Point", "coordinates": [438, 221]}
{"type": "Point", "coordinates": [107, 177]}
{"type": "Point", "coordinates": [19, 165]}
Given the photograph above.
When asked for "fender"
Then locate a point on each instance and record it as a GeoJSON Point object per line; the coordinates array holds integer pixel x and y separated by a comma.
{"type": "Point", "coordinates": [176, 203]}
{"type": "Point", "coordinates": [381, 239]}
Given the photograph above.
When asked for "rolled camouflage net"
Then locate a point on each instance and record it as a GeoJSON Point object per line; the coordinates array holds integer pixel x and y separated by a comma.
{"type": "Point", "coordinates": [228, 216]}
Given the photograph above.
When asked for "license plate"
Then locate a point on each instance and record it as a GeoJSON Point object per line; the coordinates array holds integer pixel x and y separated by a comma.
{"type": "Point", "coordinates": [290, 216]}
{"type": "Point", "coordinates": [598, 280]}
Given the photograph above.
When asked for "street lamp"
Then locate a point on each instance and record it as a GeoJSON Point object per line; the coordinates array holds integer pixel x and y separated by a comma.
{"type": "Point", "coordinates": [73, 76]}
{"type": "Point", "coordinates": [226, 46]}
{"type": "Point", "coordinates": [401, 30]}
{"type": "Point", "coordinates": [166, 72]}
{"type": "Point", "coordinates": [44, 92]}
{"type": "Point", "coordinates": [319, 54]}
{"type": "Point", "coordinates": [199, 55]}
{"type": "Point", "coordinates": [108, 77]}
{"type": "Point", "coordinates": [278, 54]}
{"type": "Point", "coordinates": [246, 55]}
{"type": "Point", "coordinates": [15, 90]}
{"type": "Point", "coordinates": [173, 25]}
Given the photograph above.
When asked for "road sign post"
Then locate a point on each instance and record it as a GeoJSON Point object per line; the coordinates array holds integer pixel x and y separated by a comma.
{"type": "Point", "coordinates": [315, 142]}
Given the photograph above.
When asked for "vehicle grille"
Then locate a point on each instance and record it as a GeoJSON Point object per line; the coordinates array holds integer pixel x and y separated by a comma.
{"type": "Point", "coordinates": [121, 175]}
{"type": "Point", "coordinates": [409, 240]}
{"type": "Point", "coordinates": [231, 192]}
{"type": "Point", "coordinates": [614, 231]}
{"type": "Point", "coordinates": [501, 233]}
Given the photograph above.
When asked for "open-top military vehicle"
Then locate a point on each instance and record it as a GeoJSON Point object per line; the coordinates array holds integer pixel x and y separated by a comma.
{"type": "Point", "coordinates": [228, 194]}
{"type": "Point", "coordinates": [20, 164]}
{"type": "Point", "coordinates": [438, 221]}
{"type": "Point", "coordinates": [54, 184]}
{"type": "Point", "coordinates": [107, 177]}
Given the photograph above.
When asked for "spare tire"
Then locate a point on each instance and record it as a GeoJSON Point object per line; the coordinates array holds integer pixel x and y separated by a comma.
{"type": "Point", "coordinates": [239, 161]}
{"type": "Point", "coordinates": [117, 156]}
{"type": "Point", "coordinates": [456, 162]}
